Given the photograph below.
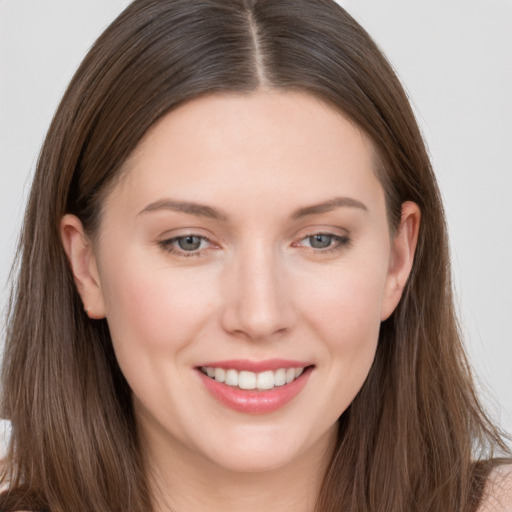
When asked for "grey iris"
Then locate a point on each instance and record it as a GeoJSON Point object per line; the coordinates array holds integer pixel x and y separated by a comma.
{"type": "Point", "coordinates": [189, 243]}
{"type": "Point", "coordinates": [320, 241]}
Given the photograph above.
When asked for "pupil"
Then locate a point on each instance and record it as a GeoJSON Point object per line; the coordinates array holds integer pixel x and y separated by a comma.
{"type": "Point", "coordinates": [320, 241]}
{"type": "Point", "coordinates": [189, 243]}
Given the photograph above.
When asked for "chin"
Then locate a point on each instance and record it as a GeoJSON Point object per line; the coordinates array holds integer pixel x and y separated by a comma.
{"type": "Point", "coordinates": [268, 449]}
{"type": "Point", "coordinates": [251, 461]}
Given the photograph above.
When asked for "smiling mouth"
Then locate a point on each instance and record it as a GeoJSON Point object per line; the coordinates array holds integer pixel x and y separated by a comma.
{"type": "Point", "coordinates": [255, 387]}
{"type": "Point", "coordinates": [246, 380]}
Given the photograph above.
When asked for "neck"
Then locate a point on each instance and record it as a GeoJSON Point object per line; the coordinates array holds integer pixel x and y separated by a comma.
{"type": "Point", "coordinates": [185, 482]}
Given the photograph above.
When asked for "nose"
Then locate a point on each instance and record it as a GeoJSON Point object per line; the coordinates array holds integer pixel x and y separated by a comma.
{"type": "Point", "coordinates": [258, 301]}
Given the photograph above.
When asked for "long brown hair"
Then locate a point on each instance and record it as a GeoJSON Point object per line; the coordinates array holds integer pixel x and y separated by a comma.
{"type": "Point", "coordinates": [410, 439]}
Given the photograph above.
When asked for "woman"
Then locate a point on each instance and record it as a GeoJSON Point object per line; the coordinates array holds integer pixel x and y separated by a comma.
{"type": "Point", "coordinates": [234, 286]}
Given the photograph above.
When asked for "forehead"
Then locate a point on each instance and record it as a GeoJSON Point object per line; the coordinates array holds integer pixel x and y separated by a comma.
{"type": "Point", "coordinates": [279, 147]}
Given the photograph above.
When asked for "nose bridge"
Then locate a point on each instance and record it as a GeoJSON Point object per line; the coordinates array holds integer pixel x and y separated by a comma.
{"type": "Point", "coordinates": [257, 299]}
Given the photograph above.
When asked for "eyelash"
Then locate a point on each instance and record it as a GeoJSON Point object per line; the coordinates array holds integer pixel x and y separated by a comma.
{"type": "Point", "coordinates": [340, 242]}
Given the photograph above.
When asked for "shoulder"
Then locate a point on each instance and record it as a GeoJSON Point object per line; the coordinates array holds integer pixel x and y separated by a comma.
{"type": "Point", "coordinates": [498, 491]}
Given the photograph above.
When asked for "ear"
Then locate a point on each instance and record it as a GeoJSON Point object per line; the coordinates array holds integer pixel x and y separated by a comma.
{"type": "Point", "coordinates": [402, 257]}
{"type": "Point", "coordinates": [83, 265]}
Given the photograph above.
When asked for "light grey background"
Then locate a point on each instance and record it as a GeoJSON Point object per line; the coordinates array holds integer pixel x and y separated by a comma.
{"type": "Point", "coordinates": [455, 58]}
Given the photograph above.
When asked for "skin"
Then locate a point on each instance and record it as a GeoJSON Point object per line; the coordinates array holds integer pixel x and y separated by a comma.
{"type": "Point", "coordinates": [256, 290]}
{"type": "Point", "coordinates": [498, 491]}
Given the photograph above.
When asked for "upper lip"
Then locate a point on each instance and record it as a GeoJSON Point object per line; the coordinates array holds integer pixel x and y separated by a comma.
{"type": "Point", "coordinates": [256, 366]}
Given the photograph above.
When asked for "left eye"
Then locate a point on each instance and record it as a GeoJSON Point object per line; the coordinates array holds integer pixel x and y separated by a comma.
{"type": "Point", "coordinates": [320, 241]}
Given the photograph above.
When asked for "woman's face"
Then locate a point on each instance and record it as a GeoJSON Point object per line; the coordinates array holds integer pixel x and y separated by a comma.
{"type": "Point", "coordinates": [248, 237]}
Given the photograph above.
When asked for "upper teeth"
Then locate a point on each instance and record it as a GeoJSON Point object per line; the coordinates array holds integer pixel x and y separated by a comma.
{"type": "Point", "coordinates": [251, 380]}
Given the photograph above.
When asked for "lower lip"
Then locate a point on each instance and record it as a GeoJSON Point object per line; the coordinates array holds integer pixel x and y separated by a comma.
{"type": "Point", "coordinates": [252, 401]}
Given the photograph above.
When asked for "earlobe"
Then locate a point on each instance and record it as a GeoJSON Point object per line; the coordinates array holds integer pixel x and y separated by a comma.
{"type": "Point", "coordinates": [83, 265]}
{"type": "Point", "coordinates": [402, 257]}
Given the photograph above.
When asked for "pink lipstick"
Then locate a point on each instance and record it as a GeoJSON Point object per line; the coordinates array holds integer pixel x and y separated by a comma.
{"type": "Point", "coordinates": [255, 387]}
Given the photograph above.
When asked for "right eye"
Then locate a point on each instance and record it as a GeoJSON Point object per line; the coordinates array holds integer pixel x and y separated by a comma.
{"type": "Point", "coordinates": [186, 245]}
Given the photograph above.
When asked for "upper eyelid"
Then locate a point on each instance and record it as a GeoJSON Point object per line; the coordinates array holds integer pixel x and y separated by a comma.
{"type": "Point", "coordinates": [182, 232]}
{"type": "Point", "coordinates": [324, 230]}
{"type": "Point", "coordinates": [334, 232]}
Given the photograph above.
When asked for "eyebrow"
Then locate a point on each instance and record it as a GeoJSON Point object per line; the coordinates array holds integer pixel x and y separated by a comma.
{"type": "Point", "coordinates": [327, 206]}
{"type": "Point", "coordinates": [201, 210]}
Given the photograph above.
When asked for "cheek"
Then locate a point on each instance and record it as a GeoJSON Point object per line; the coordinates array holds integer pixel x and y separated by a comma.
{"type": "Point", "coordinates": [344, 312]}
{"type": "Point", "coordinates": [351, 326]}
{"type": "Point", "coordinates": [153, 310]}
{"type": "Point", "coordinates": [346, 304]}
